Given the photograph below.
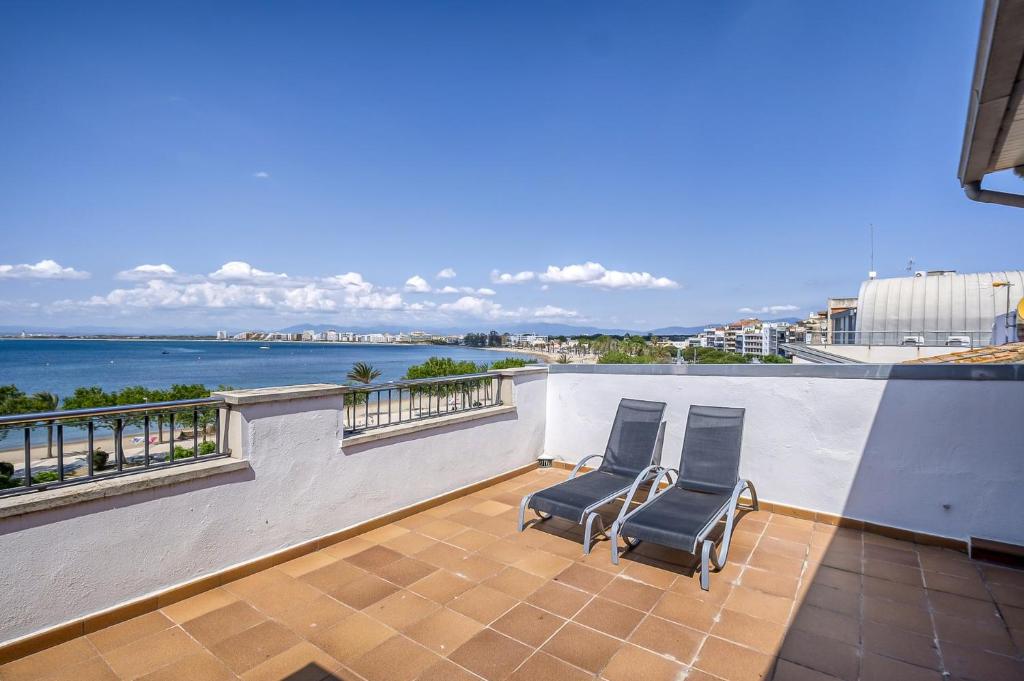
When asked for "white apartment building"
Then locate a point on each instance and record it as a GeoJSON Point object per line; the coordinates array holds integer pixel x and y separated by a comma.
{"type": "Point", "coordinates": [748, 336]}
{"type": "Point", "coordinates": [521, 339]}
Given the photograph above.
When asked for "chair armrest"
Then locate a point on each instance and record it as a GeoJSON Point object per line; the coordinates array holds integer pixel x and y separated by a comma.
{"type": "Point", "coordinates": [737, 491]}
{"type": "Point", "coordinates": [577, 467]}
{"type": "Point", "coordinates": [644, 475]}
{"type": "Point", "coordinates": [665, 473]}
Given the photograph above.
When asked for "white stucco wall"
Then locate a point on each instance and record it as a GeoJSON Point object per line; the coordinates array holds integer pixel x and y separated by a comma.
{"type": "Point", "coordinates": [886, 451]}
{"type": "Point", "coordinates": [66, 563]}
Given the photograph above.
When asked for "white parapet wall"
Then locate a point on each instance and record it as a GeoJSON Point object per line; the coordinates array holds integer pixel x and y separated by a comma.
{"type": "Point", "coordinates": [932, 449]}
{"type": "Point", "coordinates": [302, 481]}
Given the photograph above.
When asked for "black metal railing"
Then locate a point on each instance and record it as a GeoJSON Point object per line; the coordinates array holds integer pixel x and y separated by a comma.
{"type": "Point", "coordinates": [386, 404]}
{"type": "Point", "coordinates": [70, 447]}
{"type": "Point", "coordinates": [906, 338]}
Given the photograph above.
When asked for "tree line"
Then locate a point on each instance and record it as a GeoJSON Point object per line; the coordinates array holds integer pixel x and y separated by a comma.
{"type": "Point", "coordinates": [15, 401]}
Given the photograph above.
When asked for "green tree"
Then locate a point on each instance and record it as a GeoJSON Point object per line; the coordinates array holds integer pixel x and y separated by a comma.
{"type": "Point", "coordinates": [512, 363]}
{"type": "Point", "coordinates": [775, 359]}
{"type": "Point", "coordinates": [93, 397]}
{"type": "Point", "coordinates": [714, 356]}
{"type": "Point", "coordinates": [13, 401]}
{"type": "Point", "coordinates": [619, 357]}
{"type": "Point", "coordinates": [186, 417]}
{"type": "Point", "coordinates": [44, 401]}
{"type": "Point", "coordinates": [436, 367]}
{"type": "Point", "coordinates": [364, 373]}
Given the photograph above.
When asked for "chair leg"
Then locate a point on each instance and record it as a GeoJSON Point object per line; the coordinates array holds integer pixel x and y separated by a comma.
{"type": "Point", "coordinates": [522, 511]}
{"type": "Point", "coordinates": [707, 557]}
{"type": "Point", "coordinates": [614, 536]}
{"type": "Point", "coordinates": [753, 496]}
{"type": "Point", "coordinates": [588, 531]}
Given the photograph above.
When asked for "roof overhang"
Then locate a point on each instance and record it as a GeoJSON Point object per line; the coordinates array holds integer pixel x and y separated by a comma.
{"type": "Point", "coordinates": [994, 136]}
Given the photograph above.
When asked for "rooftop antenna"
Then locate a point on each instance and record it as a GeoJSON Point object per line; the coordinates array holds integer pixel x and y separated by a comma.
{"type": "Point", "coordinates": [910, 265]}
{"type": "Point", "coordinates": [872, 274]}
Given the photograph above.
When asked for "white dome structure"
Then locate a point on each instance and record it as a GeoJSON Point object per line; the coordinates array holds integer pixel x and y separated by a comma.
{"type": "Point", "coordinates": [933, 307]}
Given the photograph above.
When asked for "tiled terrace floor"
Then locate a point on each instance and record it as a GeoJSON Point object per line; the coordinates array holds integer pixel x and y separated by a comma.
{"type": "Point", "coordinates": [456, 594]}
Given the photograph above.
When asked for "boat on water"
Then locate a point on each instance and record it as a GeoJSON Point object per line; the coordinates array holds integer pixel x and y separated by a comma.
{"type": "Point", "coordinates": [264, 347]}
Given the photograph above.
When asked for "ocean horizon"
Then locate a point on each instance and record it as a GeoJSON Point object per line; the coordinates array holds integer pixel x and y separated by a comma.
{"type": "Point", "coordinates": [61, 365]}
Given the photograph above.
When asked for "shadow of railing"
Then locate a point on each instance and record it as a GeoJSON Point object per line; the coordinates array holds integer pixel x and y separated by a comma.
{"type": "Point", "coordinates": [314, 672]}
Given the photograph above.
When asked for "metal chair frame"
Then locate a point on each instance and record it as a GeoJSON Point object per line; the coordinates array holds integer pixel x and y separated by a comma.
{"type": "Point", "coordinates": [590, 514]}
{"type": "Point", "coordinates": [709, 555]}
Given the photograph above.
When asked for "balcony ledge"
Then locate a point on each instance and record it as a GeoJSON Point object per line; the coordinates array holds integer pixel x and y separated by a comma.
{"type": "Point", "coordinates": [276, 394]}
{"type": "Point", "coordinates": [402, 429]}
{"type": "Point", "coordinates": [59, 497]}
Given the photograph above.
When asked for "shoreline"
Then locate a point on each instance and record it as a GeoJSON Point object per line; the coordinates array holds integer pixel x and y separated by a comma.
{"type": "Point", "coordinates": [551, 357]}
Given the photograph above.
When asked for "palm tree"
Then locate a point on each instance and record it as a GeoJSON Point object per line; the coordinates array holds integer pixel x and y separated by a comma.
{"type": "Point", "coordinates": [364, 373]}
{"type": "Point", "coordinates": [44, 401]}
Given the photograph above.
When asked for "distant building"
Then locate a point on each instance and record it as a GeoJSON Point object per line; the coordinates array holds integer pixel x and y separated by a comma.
{"type": "Point", "coordinates": [520, 340]}
{"type": "Point", "coordinates": [938, 308]}
{"type": "Point", "coordinates": [928, 314]}
{"type": "Point", "coordinates": [746, 336]}
{"type": "Point", "coordinates": [222, 335]}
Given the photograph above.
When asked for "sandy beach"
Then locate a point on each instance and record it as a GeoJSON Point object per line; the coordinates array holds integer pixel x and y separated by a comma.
{"type": "Point", "coordinates": [548, 357]}
{"type": "Point", "coordinates": [12, 450]}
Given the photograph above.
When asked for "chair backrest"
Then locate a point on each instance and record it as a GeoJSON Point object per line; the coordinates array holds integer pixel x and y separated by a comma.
{"type": "Point", "coordinates": [635, 440]}
{"type": "Point", "coordinates": [711, 449]}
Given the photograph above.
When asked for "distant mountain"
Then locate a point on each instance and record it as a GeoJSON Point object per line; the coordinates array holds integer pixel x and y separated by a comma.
{"type": "Point", "coordinates": [680, 330]}
{"type": "Point", "coordinates": [545, 328]}
{"type": "Point", "coordinates": [690, 330]}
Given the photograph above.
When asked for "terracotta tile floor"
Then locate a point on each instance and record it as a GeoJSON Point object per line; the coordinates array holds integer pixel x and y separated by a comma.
{"type": "Point", "coordinates": [455, 593]}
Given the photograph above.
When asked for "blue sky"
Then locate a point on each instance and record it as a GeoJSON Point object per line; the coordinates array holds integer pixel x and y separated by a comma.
{"type": "Point", "coordinates": [636, 164]}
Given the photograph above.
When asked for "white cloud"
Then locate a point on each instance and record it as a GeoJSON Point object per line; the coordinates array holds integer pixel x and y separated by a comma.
{"type": "Point", "coordinates": [769, 309]}
{"type": "Point", "coordinates": [573, 274]}
{"type": "Point", "coordinates": [261, 175]}
{"type": "Point", "coordinates": [44, 269]}
{"type": "Point", "coordinates": [475, 307]}
{"type": "Point", "coordinates": [486, 292]}
{"type": "Point", "coordinates": [417, 284]}
{"type": "Point", "coordinates": [509, 278]}
{"type": "Point", "coordinates": [449, 289]}
{"type": "Point", "coordinates": [237, 270]}
{"type": "Point", "coordinates": [446, 273]}
{"type": "Point", "coordinates": [553, 311]}
{"type": "Point", "coordinates": [161, 294]}
{"type": "Point", "coordinates": [309, 298]}
{"type": "Point", "coordinates": [350, 281]}
{"type": "Point", "coordinates": [163, 271]}
{"type": "Point", "coordinates": [374, 301]}
{"type": "Point", "coordinates": [597, 275]}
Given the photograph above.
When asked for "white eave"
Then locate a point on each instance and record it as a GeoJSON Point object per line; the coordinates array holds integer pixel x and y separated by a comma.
{"type": "Point", "coordinates": [994, 135]}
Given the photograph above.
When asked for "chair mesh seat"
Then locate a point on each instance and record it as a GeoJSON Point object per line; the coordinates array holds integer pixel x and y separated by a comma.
{"type": "Point", "coordinates": [633, 445]}
{"type": "Point", "coordinates": [570, 498]}
{"type": "Point", "coordinates": [675, 517]}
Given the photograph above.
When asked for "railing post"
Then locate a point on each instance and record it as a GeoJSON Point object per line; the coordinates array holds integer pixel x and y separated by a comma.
{"type": "Point", "coordinates": [60, 452]}
{"type": "Point", "coordinates": [28, 457]}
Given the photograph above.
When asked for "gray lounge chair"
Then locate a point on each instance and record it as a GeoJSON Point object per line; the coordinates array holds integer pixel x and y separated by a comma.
{"type": "Point", "coordinates": [628, 460]}
{"type": "Point", "coordinates": [707, 488]}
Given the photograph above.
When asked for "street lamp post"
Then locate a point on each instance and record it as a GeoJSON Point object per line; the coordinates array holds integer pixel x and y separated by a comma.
{"type": "Point", "coordinates": [1006, 285]}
